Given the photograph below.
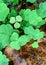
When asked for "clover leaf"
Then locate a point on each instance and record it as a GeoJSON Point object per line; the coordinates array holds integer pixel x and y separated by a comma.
{"type": "Point", "coordinates": [5, 33]}
{"type": "Point", "coordinates": [35, 45]}
{"type": "Point", "coordinates": [4, 11]}
{"type": "Point", "coordinates": [2, 61]}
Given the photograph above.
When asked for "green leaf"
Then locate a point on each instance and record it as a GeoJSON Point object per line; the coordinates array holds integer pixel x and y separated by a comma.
{"type": "Point", "coordinates": [5, 33]}
{"type": "Point", "coordinates": [31, 1]}
{"type": "Point", "coordinates": [31, 16]}
{"type": "Point", "coordinates": [17, 31]}
{"type": "Point", "coordinates": [6, 29]}
{"type": "Point", "coordinates": [28, 30]}
{"type": "Point", "coordinates": [4, 11]}
{"type": "Point", "coordinates": [22, 13]}
{"type": "Point", "coordinates": [34, 34]}
{"type": "Point", "coordinates": [4, 40]}
{"type": "Point", "coordinates": [1, 1]}
{"type": "Point", "coordinates": [23, 40]}
{"type": "Point", "coordinates": [18, 18]}
{"type": "Point", "coordinates": [42, 9]}
{"type": "Point", "coordinates": [15, 45]}
{"type": "Point", "coordinates": [38, 34]}
{"type": "Point", "coordinates": [14, 36]}
{"type": "Point", "coordinates": [13, 13]}
{"type": "Point", "coordinates": [17, 25]}
{"type": "Point", "coordinates": [35, 45]}
{"type": "Point", "coordinates": [24, 24]}
{"type": "Point", "coordinates": [2, 61]}
{"type": "Point", "coordinates": [15, 2]}
{"type": "Point", "coordinates": [27, 14]}
{"type": "Point", "coordinates": [12, 20]}
{"type": "Point", "coordinates": [6, 1]}
{"type": "Point", "coordinates": [34, 18]}
{"type": "Point", "coordinates": [40, 23]}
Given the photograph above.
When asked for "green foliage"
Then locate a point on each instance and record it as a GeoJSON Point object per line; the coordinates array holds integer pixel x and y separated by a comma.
{"type": "Point", "coordinates": [25, 14]}
{"type": "Point", "coordinates": [17, 25]}
{"type": "Point", "coordinates": [31, 1]}
{"type": "Point", "coordinates": [28, 30]}
{"type": "Point", "coordinates": [22, 13]}
{"type": "Point", "coordinates": [1, 1]}
{"type": "Point", "coordinates": [5, 33]}
{"type": "Point", "coordinates": [15, 45]}
{"type": "Point", "coordinates": [17, 31]}
{"type": "Point", "coordinates": [12, 20]}
{"type": "Point", "coordinates": [23, 40]}
{"type": "Point", "coordinates": [38, 34]}
{"type": "Point", "coordinates": [14, 36]}
{"type": "Point", "coordinates": [33, 33]}
{"type": "Point", "coordinates": [16, 42]}
{"type": "Point", "coordinates": [6, 1]}
{"type": "Point", "coordinates": [15, 2]}
{"type": "Point", "coordinates": [31, 16]}
{"type": "Point", "coordinates": [34, 18]}
{"type": "Point", "coordinates": [4, 10]}
{"type": "Point", "coordinates": [42, 9]}
{"type": "Point", "coordinates": [17, 28]}
{"type": "Point", "coordinates": [3, 59]}
{"type": "Point", "coordinates": [18, 18]}
{"type": "Point", "coordinates": [12, 13]}
{"type": "Point", "coordinates": [40, 23]}
{"type": "Point", "coordinates": [35, 45]}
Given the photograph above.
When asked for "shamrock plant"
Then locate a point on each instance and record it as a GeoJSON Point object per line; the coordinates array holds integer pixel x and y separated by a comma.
{"type": "Point", "coordinates": [4, 11]}
{"type": "Point", "coordinates": [17, 28]}
{"type": "Point", "coordinates": [42, 10]}
{"type": "Point", "coordinates": [3, 59]}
